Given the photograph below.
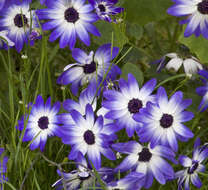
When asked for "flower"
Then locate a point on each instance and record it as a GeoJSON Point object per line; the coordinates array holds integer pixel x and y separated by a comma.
{"type": "Point", "coordinates": [106, 8]}
{"type": "Point", "coordinates": [129, 182]}
{"type": "Point", "coordinates": [69, 19]}
{"type": "Point", "coordinates": [146, 160]}
{"type": "Point", "coordinates": [83, 177]}
{"type": "Point", "coordinates": [90, 68]}
{"type": "Point", "coordinates": [124, 104]}
{"type": "Point", "coordinates": [3, 167]}
{"type": "Point", "coordinates": [192, 167]}
{"type": "Point", "coordinates": [41, 123]}
{"type": "Point", "coordinates": [87, 135]}
{"type": "Point", "coordinates": [203, 90]}
{"type": "Point", "coordinates": [4, 40]}
{"type": "Point", "coordinates": [17, 20]}
{"type": "Point", "coordinates": [163, 121]}
{"type": "Point", "coordinates": [191, 64]}
{"type": "Point", "coordinates": [87, 96]}
{"type": "Point", "coordinates": [196, 12]}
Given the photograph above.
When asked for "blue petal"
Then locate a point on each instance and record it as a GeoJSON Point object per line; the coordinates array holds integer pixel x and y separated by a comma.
{"type": "Point", "coordinates": [108, 153]}
{"type": "Point", "coordinates": [127, 148]}
{"type": "Point", "coordinates": [79, 55]}
{"type": "Point", "coordinates": [196, 181]}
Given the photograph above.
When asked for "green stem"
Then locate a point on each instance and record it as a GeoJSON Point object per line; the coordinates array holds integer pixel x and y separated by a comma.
{"type": "Point", "coordinates": [180, 85]}
{"type": "Point", "coordinates": [11, 90]}
{"type": "Point", "coordinates": [170, 79]}
{"type": "Point", "coordinates": [41, 77]}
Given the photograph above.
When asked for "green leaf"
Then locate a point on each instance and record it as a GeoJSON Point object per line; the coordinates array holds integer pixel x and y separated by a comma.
{"type": "Point", "coordinates": [198, 46]}
{"type": "Point", "coordinates": [134, 70]}
{"type": "Point", "coordinates": [134, 31]}
{"type": "Point", "coordinates": [145, 11]}
{"type": "Point", "coordinates": [106, 29]}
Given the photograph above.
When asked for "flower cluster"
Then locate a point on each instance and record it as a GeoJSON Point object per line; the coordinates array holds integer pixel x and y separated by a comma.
{"type": "Point", "coordinates": [150, 118]}
{"type": "Point", "coordinates": [67, 19]}
{"type": "Point", "coordinates": [91, 132]}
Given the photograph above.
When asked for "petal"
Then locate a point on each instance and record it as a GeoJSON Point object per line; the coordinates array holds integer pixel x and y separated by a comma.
{"type": "Point", "coordinates": [196, 181]}
{"type": "Point", "coordinates": [82, 33]}
{"type": "Point", "coordinates": [185, 161]}
{"type": "Point", "coordinates": [79, 55]}
{"type": "Point", "coordinates": [94, 156]}
{"type": "Point", "coordinates": [148, 88]}
{"type": "Point", "coordinates": [172, 140]}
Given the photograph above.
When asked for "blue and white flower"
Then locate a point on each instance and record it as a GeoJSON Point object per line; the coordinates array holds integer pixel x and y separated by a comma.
{"type": "Point", "coordinates": [146, 160]}
{"type": "Point", "coordinates": [163, 121]}
{"type": "Point", "coordinates": [83, 177]}
{"type": "Point", "coordinates": [41, 123]}
{"type": "Point", "coordinates": [106, 8]}
{"type": "Point", "coordinates": [69, 19]}
{"type": "Point", "coordinates": [124, 104]}
{"type": "Point", "coordinates": [87, 96]}
{"type": "Point", "coordinates": [17, 19]}
{"type": "Point", "coordinates": [90, 68]}
{"type": "Point", "coordinates": [129, 182]}
{"type": "Point", "coordinates": [203, 90]}
{"type": "Point", "coordinates": [192, 167]}
{"type": "Point", "coordinates": [196, 12]}
{"type": "Point", "coordinates": [4, 40]}
{"type": "Point", "coordinates": [87, 135]}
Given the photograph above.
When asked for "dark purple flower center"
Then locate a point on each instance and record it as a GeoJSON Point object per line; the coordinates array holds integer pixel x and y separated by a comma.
{"type": "Point", "coordinates": [43, 122]}
{"type": "Point", "coordinates": [194, 166]}
{"type": "Point", "coordinates": [203, 7]}
{"type": "Point", "coordinates": [145, 155]}
{"type": "Point", "coordinates": [71, 15]}
{"type": "Point", "coordinates": [90, 68]}
{"type": "Point", "coordinates": [89, 137]}
{"type": "Point", "coordinates": [102, 8]}
{"type": "Point", "coordinates": [166, 121]}
{"type": "Point", "coordinates": [134, 105]}
{"type": "Point", "coordinates": [20, 20]}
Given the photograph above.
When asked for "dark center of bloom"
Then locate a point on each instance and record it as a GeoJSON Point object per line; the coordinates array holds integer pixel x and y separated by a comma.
{"type": "Point", "coordinates": [166, 121]}
{"type": "Point", "coordinates": [43, 122]}
{"type": "Point", "coordinates": [102, 8]}
{"type": "Point", "coordinates": [203, 7]}
{"type": "Point", "coordinates": [90, 68]}
{"type": "Point", "coordinates": [20, 20]}
{"type": "Point", "coordinates": [89, 137]}
{"type": "Point", "coordinates": [194, 166]}
{"type": "Point", "coordinates": [71, 15]}
{"type": "Point", "coordinates": [145, 155]}
{"type": "Point", "coordinates": [134, 105]}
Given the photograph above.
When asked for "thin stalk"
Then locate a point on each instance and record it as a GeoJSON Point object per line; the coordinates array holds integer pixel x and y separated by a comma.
{"type": "Point", "coordinates": [170, 79]}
